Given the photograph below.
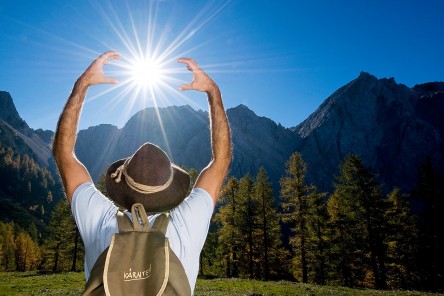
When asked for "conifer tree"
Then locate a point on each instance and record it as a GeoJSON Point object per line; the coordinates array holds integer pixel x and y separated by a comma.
{"type": "Point", "coordinates": [317, 232]}
{"type": "Point", "coordinates": [33, 232]}
{"type": "Point", "coordinates": [268, 221]}
{"type": "Point", "coordinates": [229, 228]}
{"type": "Point", "coordinates": [247, 213]}
{"type": "Point", "coordinates": [101, 184]}
{"type": "Point", "coordinates": [64, 250]}
{"type": "Point", "coordinates": [430, 193]}
{"type": "Point", "coordinates": [358, 226]}
{"type": "Point", "coordinates": [27, 253]}
{"type": "Point", "coordinates": [294, 194]}
{"type": "Point", "coordinates": [8, 262]}
{"type": "Point", "coordinates": [401, 241]}
{"type": "Point", "coordinates": [193, 178]}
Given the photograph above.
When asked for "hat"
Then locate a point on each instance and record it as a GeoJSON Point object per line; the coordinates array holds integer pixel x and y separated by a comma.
{"type": "Point", "coordinates": [148, 177]}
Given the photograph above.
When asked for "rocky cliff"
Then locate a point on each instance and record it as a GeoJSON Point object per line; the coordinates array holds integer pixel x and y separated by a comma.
{"type": "Point", "coordinates": [392, 127]}
{"type": "Point", "coordinates": [38, 141]}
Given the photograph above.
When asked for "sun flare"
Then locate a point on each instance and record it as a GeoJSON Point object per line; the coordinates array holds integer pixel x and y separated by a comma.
{"type": "Point", "coordinates": [146, 72]}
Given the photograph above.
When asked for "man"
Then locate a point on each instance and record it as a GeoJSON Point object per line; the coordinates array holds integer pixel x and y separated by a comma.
{"type": "Point", "coordinates": [137, 178]}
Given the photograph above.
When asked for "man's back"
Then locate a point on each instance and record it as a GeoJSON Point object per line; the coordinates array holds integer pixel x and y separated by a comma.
{"type": "Point", "coordinates": [96, 219]}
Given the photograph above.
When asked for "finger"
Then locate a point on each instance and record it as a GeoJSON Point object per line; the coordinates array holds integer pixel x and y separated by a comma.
{"type": "Point", "coordinates": [109, 80]}
{"type": "Point", "coordinates": [111, 55]}
{"type": "Point", "coordinates": [188, 86]}
{"type": "Point", "coordinates": [191, 64]}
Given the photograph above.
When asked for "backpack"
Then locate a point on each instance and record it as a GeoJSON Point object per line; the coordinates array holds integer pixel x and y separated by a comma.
{"type": "Point", "coordinates": [138, 261]}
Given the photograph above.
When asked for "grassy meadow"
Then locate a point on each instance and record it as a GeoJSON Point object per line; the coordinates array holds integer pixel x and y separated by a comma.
{"type": "Point", "coordinates": [71, 283]}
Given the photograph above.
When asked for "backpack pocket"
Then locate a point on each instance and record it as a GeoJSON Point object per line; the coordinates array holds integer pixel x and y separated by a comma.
{"type": "Point", "coordinates": [137, 263]}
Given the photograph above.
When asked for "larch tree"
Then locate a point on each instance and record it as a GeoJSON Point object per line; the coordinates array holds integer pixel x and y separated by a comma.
{"type": "Point", "coordinates": [356, 211]}
{"type": "Point", "coordinates": [270, 245]}
{"type": "Point", "coordinates": [401, 241]}
{"type": "Point", "coordinates": [247, 217]}
{"type": "Point", "coordinates": [294, 194]}
{"type": "Point", "coordinates": [228, 232]}
{"type": "Point", "coordinates": [8, 262]}
{"type": "Point", "coordinates": [429, 193]}
{"type": "Point", "coordinates": [317, 222]}
{"type": "Point", "coordinates": [64, 248]}
{"type": "Point", "coordinates": [27, 252]}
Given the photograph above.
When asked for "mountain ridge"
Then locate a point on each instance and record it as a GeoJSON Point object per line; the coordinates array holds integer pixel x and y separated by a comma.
{"type": "Point", "coordinates": [391, 126]}
{"type": "Point", "coordinates": [377, 119]}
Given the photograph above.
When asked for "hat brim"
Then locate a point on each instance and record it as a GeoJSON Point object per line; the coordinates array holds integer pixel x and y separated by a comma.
{"type": "Point", "coordinates": [157, 202]}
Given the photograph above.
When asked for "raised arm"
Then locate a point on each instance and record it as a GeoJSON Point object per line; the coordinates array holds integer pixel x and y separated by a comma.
{"type": "Point", "coordinates": [72, 171]}
{"type": "Point", "coordinates": [212, 177]}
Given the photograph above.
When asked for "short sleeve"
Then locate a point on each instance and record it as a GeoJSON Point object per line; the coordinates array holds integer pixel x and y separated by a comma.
{"type": "Point", "coordinates": [189, 229]}
{"type": "Point", "coordinates": [95, 216]}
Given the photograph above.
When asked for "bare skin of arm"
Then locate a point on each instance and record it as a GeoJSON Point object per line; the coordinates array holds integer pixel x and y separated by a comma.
{"type": "Point", "coordinates": [212, 177]}
{"type": "Point", "coordinates": [72, 171]}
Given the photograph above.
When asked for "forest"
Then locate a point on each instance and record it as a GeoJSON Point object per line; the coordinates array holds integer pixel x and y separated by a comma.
{"type": "Point", "coordinates": [355, 236]}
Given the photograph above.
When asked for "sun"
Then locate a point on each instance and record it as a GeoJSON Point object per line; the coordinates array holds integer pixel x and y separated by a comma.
{"type": "Point", "coordinates": [145, 72]}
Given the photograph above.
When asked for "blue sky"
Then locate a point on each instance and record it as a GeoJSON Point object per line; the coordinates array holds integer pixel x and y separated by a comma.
{"type": "Point", "coordinates": [280, 58]}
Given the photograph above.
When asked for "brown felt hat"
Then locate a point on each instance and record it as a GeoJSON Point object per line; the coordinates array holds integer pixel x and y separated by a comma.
{"type": "Point", "coordinates": [148, 177]}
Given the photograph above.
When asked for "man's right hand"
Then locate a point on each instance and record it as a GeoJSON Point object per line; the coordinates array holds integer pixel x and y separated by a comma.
{"type": "Point", "coordinates": [94, 74]}
{"type": "Point", "coordinates": [212, 177]}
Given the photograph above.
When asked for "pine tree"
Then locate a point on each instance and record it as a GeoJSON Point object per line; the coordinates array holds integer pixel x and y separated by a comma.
{"type": "Point", "coordinates": [33, 232]}
{"type": "Point", "coordinates": [101, 184]}
{"type": "Point", "coordinates": [27, 253]}
{"type": "Point", "coordinates": [193, 178]}
{"type": "Point", "coordinates": [210, 263]}
{"type": "Point", "coordinates": [271, 251]}
{"type": "Point", "coordinates": [430, 193]}
{"type": "Point", "coordinates": [247, 213]}
{"type": "Point", "coordinates": [317, 231]}
{"type": "Point", "coordinates": [8, 262]}
{"type": "Point", "coordinates": [401, 241]}
{"type": "Point", "coordinates": [229, 229]}
{"type": "Point", "coordinates": [294, 194]}
{"type": "Point", "coordinates": [358, 226]}
{"type": "Point", "coordinates": [63, 249]}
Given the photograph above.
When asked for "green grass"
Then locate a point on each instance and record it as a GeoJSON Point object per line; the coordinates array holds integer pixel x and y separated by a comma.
{"type": "Point", "coordinates": [71, 283]}
{"type": "Point", "coordinates": [35, 283]}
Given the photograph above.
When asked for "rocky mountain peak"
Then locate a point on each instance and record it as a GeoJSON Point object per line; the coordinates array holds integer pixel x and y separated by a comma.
{"type": "Point", "coordinates": [366, 100]}
{"type": "Point", "coordinates": [9, 114]}
{"type": "Point", "coordinates": [430, 87]}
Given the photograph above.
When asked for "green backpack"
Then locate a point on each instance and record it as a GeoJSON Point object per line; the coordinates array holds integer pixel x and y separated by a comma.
{"type": "Point", "coordinates": [139, 261]}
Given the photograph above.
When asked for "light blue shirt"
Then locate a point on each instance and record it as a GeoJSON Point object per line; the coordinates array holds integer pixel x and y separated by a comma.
{"type": "Point", "coordinates": [96, 219]}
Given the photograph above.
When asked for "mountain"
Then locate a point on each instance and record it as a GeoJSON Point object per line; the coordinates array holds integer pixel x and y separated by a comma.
{"type": "Point", "coordinates": [184, 134]}
{"type": "Point", "coordinates": [28, 188]}
{"type": "Point", "coordinates": [39, 141]}
{"type": "Point", "coordinates": [393, 129]}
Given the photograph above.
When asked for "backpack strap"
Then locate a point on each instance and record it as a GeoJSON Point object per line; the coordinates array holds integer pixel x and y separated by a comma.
{"type": "Point", "coordinates": [161, 223]}
{"type": "Point", "coordinates": [140, 219]}
{"type": "Point", "coordinates": [124, 222]}
{"type": "Point", "coordinates": [94, 286]}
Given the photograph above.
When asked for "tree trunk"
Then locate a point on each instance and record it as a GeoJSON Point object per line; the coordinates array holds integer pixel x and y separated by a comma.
{"type": "Point", "coordinates": [201, 272]}
{"type": "Point", "coordinates": [264, 218]}
{"type": "Point", "coordinates": [56, 257]}
{"type": "Point", "coordinates": [74, 257]}
{"type": "Point", "coordinates": [302, 233]}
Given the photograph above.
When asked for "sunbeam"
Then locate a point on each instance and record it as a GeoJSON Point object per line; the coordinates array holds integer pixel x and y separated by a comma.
{"type": "Point", "coordinates": [149, 42]}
